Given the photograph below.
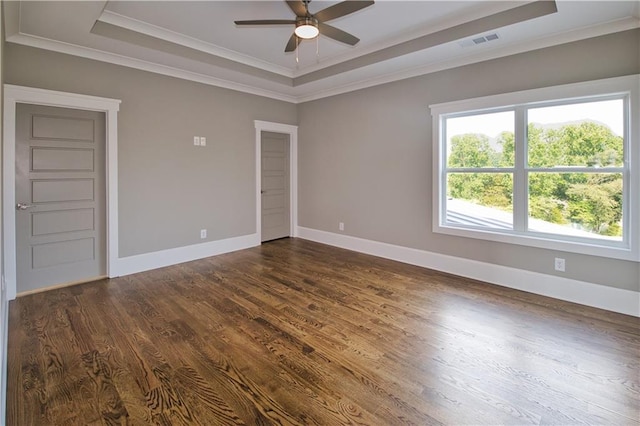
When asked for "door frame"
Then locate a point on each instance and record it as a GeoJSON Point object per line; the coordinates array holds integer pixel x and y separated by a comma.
{"type": "Point", "coordinates": [292, 131]}
{"type": "Point", "coordinates": [28, 95]}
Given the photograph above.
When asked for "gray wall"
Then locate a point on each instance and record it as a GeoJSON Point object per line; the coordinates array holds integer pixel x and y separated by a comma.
{"type": "Point", "coordinates": [365, 157]}
{"type": "Point", "coordinates": [168, 188]}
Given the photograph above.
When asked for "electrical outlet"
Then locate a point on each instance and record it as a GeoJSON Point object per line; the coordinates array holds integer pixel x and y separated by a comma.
{"type": "Point", "coordinates": [203, 234]}
{"type": "Point", "coordinates": [196, 140]}
{"type": "Point", "coordinates": [559, 264]}
{"type": "Point", "coordinates": [341, 226]}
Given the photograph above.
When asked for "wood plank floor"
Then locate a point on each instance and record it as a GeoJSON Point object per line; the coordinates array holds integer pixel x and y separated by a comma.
{"type": "Point", "coordinates": [295, 332]}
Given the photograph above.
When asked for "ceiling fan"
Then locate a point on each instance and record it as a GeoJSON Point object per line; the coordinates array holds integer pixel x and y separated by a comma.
{"type": "Point", "coordinates": [308, 25]}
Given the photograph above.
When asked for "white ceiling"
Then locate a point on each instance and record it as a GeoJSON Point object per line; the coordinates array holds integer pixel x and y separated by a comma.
{"type": "Point", "coordinates": [199, 41]}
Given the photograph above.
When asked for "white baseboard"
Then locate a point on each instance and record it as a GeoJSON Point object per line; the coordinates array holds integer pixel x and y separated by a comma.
{"type": "Point", "coordinates": [159, 259]}
{"type": "Point", "coordinates": [595, 295]}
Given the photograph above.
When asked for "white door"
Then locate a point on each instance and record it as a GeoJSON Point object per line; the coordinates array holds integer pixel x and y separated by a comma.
{"type": "Point", "coordinates": [275, 186]}
{"type": "Point", "coordinates": [60, 195]}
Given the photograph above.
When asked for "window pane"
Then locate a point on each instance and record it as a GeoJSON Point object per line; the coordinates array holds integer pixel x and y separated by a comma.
{"type": "Point", "coordinates": [482, 140]}
{"type": "Point", "coordinates": [576, 204]}
{"type": "Point", "coordinates": [585, 134]}
{"type": "Point", "coordinates": [480, 199]}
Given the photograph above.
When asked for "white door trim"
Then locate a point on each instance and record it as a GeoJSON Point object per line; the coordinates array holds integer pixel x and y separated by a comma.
{"type": "Point", "coordinates": [292, 131]}
{"type": "Point", "coordinates": [19, 94]}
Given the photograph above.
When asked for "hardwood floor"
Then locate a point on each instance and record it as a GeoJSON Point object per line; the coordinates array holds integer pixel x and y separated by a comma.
{"type": "Point", "coordinates": [294, 332]}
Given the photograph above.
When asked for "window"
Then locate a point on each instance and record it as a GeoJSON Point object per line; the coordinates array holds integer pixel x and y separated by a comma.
{"type": "Point", "coordinates": [555, 168]}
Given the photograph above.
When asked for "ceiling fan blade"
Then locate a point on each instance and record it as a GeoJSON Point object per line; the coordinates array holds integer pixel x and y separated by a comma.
{"type": "Point", "coordinates": [341, 9]}
{"type": "Point", "coordinates": [266, 22]}
{"type": "Point", "coordinates": [291, 44]}
{"type": "Point", "coordinates": [298, 7]}
{"type": "Point", "coordinates": [337, 34]}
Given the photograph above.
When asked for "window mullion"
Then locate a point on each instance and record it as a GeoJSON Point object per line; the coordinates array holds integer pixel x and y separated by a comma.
{"type": "Point", "coordinates": [520, 191]}
{"type": "Point", "coordinates": [560, 147]}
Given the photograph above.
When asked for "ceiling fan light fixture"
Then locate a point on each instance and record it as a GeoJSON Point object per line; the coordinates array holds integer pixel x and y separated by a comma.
{"type": "Point", "coordinates": [307, 28]}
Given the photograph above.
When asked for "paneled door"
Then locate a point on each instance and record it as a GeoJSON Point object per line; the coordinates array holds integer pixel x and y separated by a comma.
{"type": "Point", "coordinates": [275, 186]}
{"type": "Point", "coordinates": [60, 196]}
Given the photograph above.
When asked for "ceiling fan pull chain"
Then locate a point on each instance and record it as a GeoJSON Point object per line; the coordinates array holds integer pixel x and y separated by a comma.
{"type": "Point", "coordinates": [317, 50]}
{"type": "Point", "coordinates": [297, 58]}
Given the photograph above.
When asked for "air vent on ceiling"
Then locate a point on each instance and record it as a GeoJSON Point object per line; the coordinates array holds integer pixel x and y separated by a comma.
{"type": "Point", "coordinates": [479, 40]}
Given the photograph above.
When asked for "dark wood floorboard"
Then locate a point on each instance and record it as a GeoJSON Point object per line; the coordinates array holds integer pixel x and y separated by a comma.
{"type": "Point", "coordinates": [294, 332]}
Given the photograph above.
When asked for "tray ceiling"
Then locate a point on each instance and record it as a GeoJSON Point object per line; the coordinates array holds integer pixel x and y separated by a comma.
{"type": "Point", "coordinates": [399, 39]}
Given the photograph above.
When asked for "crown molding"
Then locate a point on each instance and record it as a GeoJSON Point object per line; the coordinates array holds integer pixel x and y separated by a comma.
{"type": "Point", "coordinates": [300, 95]}
{"type": "Point", "coordinates": [112, 58]}
{"type": "Point", "coordinates": [620, 25]}
{"type": "Point", "coordinates": [487, 9]}
{"type": "Point", "coordinates": [193, 43]}
{"type": "Point", "coordinates": [165, 34]}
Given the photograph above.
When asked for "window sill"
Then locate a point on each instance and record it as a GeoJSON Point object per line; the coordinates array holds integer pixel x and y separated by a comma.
{"type": "Point", "coordinates": [544, 241]}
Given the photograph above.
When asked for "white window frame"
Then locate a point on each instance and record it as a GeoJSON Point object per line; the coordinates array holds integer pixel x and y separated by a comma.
{"type": "Point", "coordinates": [628, 86]}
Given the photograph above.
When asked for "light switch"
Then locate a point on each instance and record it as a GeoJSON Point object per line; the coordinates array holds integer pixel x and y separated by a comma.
{"type": "Point", "coordinates": [203, 141]}
{"type": "Point", "coordinates": [196, 140]}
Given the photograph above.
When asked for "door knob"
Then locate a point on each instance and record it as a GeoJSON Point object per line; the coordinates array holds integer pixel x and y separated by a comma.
{"type": "Point", "coordinates": [22, 206]}
{"type": "Point", "coordinates": [262, 191]}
